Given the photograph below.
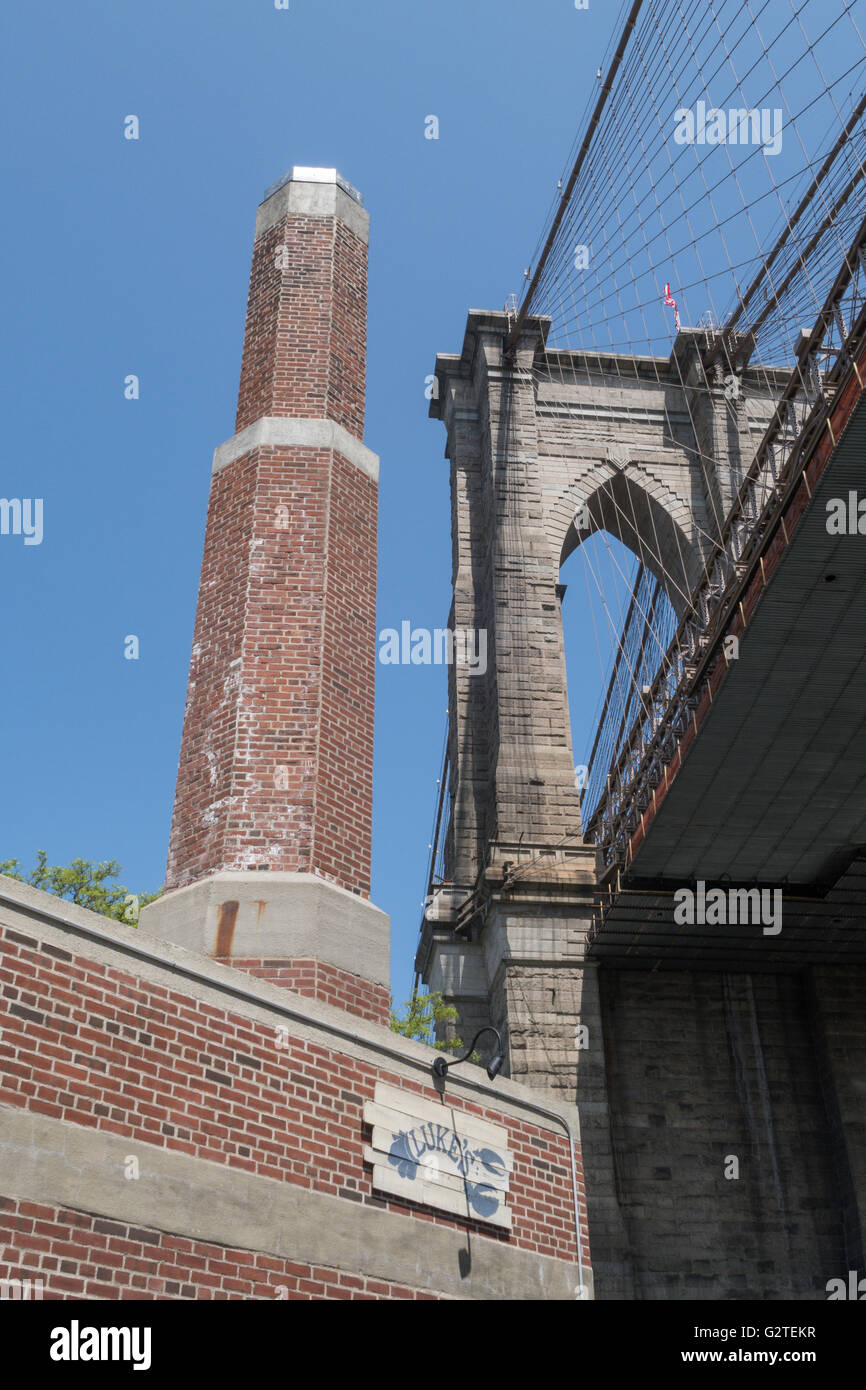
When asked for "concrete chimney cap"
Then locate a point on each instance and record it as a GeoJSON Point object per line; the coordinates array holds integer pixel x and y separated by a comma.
{"type": "Point", "coordinates": [302, 174]}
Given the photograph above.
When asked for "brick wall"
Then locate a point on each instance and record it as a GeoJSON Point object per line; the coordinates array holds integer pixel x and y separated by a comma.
{"type": "Point", "coordinates": [75, 1255]}
{"type": "Point", "coordinates": [98, 1046]}
{"type": "Point", "coordinates": [318, 980]}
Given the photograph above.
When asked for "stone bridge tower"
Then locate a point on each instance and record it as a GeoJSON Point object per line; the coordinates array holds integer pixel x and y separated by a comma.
{"type": "Point", "coordinates": [545, 448]}
{"type": "Point", "coordinates": [668, 1067]}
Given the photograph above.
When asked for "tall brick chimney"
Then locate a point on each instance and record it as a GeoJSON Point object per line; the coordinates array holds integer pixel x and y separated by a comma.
{"type": "Point", "coordinates": [269, 858]}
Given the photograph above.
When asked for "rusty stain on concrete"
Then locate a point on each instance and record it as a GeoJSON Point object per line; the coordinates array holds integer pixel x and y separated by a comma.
{"type": "Point", "coordinates": [261, 904]}
{"type": "Point", "coordinates": [226, 920]}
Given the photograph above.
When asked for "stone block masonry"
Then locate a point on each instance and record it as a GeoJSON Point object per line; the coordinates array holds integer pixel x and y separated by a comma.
{"type": "Point", "coordinates": [723, 1114]}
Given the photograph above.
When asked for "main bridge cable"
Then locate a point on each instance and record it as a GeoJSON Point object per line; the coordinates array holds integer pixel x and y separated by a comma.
{"type": "Point", "coordinates": [648, 75]}
{"type": "Point", "coordinates": [846, 278]}
{"type": "Point", "coordinates": [704, 77]}
{"type": "Point", "coordinates": [625, 703]}
{"type": "Point", "coordinates": [634, 661]}
{"type": "Point", "coordinates": [707, 192]}
{"type": "Point", "coordinates": [665, 47]}
{"type": "Point", "coordinates": [648, 79]}
{"type": "Point", "coordinates": [541, 275]}
{"type": "Point", "coordinates": [566, 210]}
{"type": "Point", "coordinates": [514, 335]}
{"type": "Point", "coordinates": [813, 188]}
{"type": "Point", "coordinates": [648, 71]}
{"type": "Point", "coordinates": [773, 300]}
{"type": "Point", "coordinates": [672, 255]}
{"type": "Point", "coordinates": [831, 214]}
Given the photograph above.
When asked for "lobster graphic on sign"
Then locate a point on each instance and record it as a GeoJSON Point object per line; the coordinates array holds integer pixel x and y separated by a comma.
{"type": "Point", "coordinates": [420, 1147]}
{"type": "Point", "coordinates": [438, 1157]}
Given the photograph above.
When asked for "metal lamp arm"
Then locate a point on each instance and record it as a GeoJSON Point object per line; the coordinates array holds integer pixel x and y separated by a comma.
{"type": "Point", "coordinates": [440, 1066]}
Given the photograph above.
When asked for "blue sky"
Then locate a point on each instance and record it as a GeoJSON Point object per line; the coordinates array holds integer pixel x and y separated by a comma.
{"type": "Point", "coordinates": [133, 257]}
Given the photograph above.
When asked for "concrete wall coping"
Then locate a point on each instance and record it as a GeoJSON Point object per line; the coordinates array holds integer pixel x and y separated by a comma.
{"type": "Point", "coordinates": [314, 193]}
{"type": "Point", "coordinates": [279, 431]}
{"type": "Point", "coordinates": [25, 909]}
{"type": "Point", "coordinates": [83, 1169]}
{"type": "Point", "coordinates": [279, 915]}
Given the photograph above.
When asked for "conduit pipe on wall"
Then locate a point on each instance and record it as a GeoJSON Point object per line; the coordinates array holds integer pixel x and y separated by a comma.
{"type": "Point", "coordinates": [348, 1034]}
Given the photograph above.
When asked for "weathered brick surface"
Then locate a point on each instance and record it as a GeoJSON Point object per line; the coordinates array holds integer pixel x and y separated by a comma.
{"type": "Point", "coordinates": [318, 980]}
{"type": "Point", "coordinates": [305, 345]}
{"type": "Point", "coordinates": [277, 752]}
{"type": "Point", "coordinates": [98, 1046]}
{"type": "Point", "coordinates": [276, 756]}
{"type": "Point", "coordinates": [80, 1256]}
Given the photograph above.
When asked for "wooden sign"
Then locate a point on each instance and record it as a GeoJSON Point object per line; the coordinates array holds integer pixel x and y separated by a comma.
{"type": "Point", "coordinates": [438, 1156]}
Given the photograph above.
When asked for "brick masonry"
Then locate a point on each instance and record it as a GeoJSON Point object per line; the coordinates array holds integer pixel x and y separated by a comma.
{"type": "Point", "coordinates": [318, 980]}
{"type": "Point", "coordinates": [305, 344]}
{"type": "Point", "coordinates": [96, 1045]}
{"type": "Point", "coordinates": [240, 1103]}
{"type": "Point", "coordinates": [78, 1256]}
{"type": "Point", "coordinates": [276, 757]}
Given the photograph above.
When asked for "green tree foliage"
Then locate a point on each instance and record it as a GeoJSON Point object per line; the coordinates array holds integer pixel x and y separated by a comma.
{"type": "Point", "coordinates": [421, 1014]}
{"type": "Point", "coordinates": [84, 883]}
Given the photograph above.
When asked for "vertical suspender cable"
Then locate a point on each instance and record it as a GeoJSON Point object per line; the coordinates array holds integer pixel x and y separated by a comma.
{"type": "Point", "coordinates": [514, 335]}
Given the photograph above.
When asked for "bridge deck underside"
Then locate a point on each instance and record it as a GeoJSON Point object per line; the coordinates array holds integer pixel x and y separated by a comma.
{"type": "Point", "coordinates": [773, 790]}
{"type": "Point", "coordinates": [639, 932]}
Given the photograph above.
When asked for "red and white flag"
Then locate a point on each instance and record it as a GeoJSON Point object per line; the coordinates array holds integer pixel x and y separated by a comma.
{"type": "Point", "coordinates": [672, 303]}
